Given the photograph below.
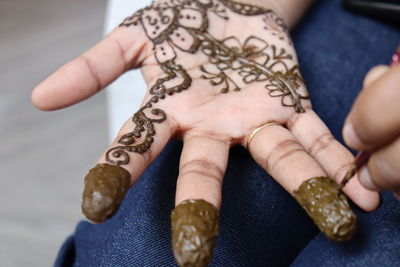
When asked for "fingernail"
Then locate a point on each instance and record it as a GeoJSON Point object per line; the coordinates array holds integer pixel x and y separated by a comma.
{"type": "Point", "coordinates": [194, 232]}
{"type": "Point", "coordinates": [105, 188]}
{"type": "Point", "coordinates": [350, 136]}
{"type": "Point", "coordinates": [329, 208]}
{"type": "Point", "coordinates": [366, 180]}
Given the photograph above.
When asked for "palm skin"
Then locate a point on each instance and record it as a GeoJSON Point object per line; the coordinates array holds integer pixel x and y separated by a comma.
{"type": "Point", "coordinates": [210, 105]}
{"type": "Point", "coordinates": [204, 109]}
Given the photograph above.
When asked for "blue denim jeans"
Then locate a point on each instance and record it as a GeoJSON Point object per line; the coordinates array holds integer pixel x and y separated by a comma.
{"type": "Point", "coordinates": [261, 224]}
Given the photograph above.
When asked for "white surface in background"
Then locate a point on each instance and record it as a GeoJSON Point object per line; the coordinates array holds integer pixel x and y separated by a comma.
{"type": "Point", "coordinates": [124, 96]}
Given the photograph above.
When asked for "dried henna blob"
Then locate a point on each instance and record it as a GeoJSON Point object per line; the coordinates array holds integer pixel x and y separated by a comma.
{"type": "Point", "coordinates": [328, 207]}
{"type": "Point", "coordinates": [194, 231]}
{"type": "Point", "coordinates": [105, 188]}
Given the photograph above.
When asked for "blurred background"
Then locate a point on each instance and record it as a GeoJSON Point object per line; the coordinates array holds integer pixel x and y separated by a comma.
{"type": "Point", "coordinates": [44, 155]}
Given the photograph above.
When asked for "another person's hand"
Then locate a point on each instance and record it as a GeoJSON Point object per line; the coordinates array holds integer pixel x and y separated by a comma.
{"type": "Point", "coordinates": [374, 125]}
{"type": "Point", "coordinates": [219, 74]}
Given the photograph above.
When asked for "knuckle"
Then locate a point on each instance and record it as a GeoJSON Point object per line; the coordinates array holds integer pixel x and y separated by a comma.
{"type": "Point", "coordinates": [341, 172]}
{"type": "Point", "coordinates": [121, 54]}
{"type": "Point", "coordinates": [147, 156]}
{"type": "Point", "coordinates": [295, 118]}
{"type": "Point", "coordinates": [90, 66]}
{"type": "Point", "coordinates": [282, 152]}
{"type": "Point", "coordinates": [321, 143]}
{"type": "Point", "coordinates": [203, 168]}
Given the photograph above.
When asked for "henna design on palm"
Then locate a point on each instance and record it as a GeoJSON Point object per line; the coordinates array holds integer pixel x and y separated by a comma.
{"type": "Point", "coordinates": [183, 25]}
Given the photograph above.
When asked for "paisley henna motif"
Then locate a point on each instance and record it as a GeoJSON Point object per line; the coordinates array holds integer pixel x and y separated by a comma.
{"type": "Point", "coordinates": [119, 155]}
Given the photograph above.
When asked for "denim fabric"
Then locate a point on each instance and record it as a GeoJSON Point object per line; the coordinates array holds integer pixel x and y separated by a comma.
{"type": "Point", "coordinates": [261, 225]}
{"type": "Point", "coordinates": [377, 242]}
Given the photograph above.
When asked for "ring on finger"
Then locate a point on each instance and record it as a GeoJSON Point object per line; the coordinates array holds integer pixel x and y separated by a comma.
{"type": "Point", "coordinates": [256, 130]}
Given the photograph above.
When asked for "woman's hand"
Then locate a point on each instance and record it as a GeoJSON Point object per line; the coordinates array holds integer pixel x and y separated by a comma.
{"type": "Point", "coordinates": [217, 70]}
{"type": "Point", "coordinates": [374, 125]}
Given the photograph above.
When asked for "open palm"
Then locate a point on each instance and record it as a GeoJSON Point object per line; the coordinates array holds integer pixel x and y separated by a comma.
{"type": "Point", "coordinates": [216, 70]}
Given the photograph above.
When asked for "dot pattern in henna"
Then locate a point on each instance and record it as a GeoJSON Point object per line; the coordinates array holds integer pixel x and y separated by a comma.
{"type": "Point", "coordinates": [276, 26]}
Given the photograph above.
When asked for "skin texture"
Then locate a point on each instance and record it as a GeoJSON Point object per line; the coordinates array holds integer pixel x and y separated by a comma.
{"type": "Point", "coordinates": [194, 232]}
{"type": "Point", "coordinates": [234, 71]}
{"type": "Point", "coordinates": [105, 187]}
{"type": "Point", "coordinates": [321, 198]}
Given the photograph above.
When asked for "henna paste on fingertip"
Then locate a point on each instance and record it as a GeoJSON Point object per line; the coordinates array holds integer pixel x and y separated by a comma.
{"type": "Point", "coordinates": [194, 232]}
{"type": "Point", "coordinates": [105, 188]}
{"type": "Point", "coordinates": [324, 202]}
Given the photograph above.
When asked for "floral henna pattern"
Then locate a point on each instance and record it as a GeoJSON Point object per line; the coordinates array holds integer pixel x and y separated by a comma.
{"type": "Point", "coordinates": [183, 25]}
{"type": "Point", "coordinates": [254, 61]}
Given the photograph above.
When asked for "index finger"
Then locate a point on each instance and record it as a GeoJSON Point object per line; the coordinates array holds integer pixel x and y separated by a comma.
{"type": "Point", "coordinates": [375, 118]}
{"type": "Point", "coordinates": [84, 76]}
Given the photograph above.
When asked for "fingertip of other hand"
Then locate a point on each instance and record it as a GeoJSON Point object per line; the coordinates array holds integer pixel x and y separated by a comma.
{"type": "Point", "coordinates": [370, 201]}
{"type": "Point", "coordinates": [350, 136]}
{"type": "Point", "coordinates": [374, 74]}
{"type": "Point", "coordinates": [36, 99]}
{"type": "Point", "coordinates": [366, 180]}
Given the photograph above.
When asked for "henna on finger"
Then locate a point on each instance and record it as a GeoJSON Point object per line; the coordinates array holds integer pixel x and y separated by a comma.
{"type": "Point", "coordinates": [194, 232]}
{"type": "Point", "coordinates": [326, 204]}
{"type": "Point", "coordinates": [320, 197]}
{"type": "Point", "coordinates": [105, 188]}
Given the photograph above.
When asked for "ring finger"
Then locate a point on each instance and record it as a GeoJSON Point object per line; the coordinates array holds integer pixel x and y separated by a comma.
{"type": "Point", "coordinates": [278, 152]}
{"type": "Point", "coordinates": [198, 199]}
{"type": "Point", "coordinates": [332, 156]}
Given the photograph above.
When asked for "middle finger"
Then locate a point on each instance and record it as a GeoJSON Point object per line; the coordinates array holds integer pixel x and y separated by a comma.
{"type": "Point", "coordinates": [198, 199]}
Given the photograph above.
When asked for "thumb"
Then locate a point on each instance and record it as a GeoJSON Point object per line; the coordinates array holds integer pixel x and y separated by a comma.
{"type": "Point", "coordinates": [375, 116]}
{"type": "Point", "coordinates": [84, 76]}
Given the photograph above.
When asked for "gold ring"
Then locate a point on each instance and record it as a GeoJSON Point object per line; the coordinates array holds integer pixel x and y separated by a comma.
{"type": "Point", "coordinates": [255, 131]}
